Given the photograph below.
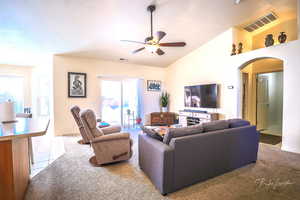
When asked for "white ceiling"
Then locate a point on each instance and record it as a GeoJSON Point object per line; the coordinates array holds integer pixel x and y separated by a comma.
{"type": "Point", "coordinates": [94, 28]}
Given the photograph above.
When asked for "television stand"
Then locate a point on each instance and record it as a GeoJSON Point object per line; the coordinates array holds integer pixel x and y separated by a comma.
{"type": "Point", "coordinates": [191, 117]}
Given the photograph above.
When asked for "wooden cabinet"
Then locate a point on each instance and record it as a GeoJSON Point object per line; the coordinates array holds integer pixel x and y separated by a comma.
{"type": "Point", "coordinates": [188, 118]}
{"type": "Point", "coordinates": [14, 169]}
{"type": "Point", "coordinates": [163, 118]}
{"type": "Point", "coordinates": [14, 155]}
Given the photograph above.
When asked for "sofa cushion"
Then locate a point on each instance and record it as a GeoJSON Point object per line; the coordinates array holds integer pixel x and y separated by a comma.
{"type": "Point", "coordinates": [215, 125]}
{"type": "Point", "coordinates": [180, 132]}
{"type": "Point", "coordinates": [235, 123]}
{"type": "Point", "coordinates": [152, 133]}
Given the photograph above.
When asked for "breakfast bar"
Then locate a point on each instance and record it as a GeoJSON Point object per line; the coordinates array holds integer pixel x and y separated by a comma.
{"type": "Point", "coordinates": [14, 155]}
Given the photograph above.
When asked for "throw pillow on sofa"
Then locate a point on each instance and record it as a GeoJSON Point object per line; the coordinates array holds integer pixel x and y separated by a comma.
{"type": "Point", "coordinates": [152, 133]}
{"type": "Point", "coordinates": [180, 132]}
{"type": "Point", "coordinates": [235, 123]}
{"type": "Point", "coordinates": [215, 125]}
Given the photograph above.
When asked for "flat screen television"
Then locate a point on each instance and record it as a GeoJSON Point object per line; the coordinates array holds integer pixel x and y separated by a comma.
{"type": "Point", "coordinates": [201, 96]}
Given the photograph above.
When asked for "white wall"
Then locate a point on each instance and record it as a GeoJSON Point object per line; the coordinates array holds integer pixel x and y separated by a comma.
{"type": "Point", "coordinates": [64, 123]}
{"type": "Point", "coordinates": [289, 53]}
{"type": "Point", "coordinates": [212, 63]}
{"type": "Point", "coordinates": [204, 65]}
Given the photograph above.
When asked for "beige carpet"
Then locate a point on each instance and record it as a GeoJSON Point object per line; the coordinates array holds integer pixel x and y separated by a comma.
{"type": "Point", "coordinates": [276, 175]}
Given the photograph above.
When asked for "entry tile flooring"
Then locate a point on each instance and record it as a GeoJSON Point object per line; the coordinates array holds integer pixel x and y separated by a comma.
{"type": "Point", "coordinates": [46, 149]}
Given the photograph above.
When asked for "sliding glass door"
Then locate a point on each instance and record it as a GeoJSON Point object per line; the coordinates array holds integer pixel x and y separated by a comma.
{"type": "Point", "coordinates": [111, 96]}
{"type": "Point", "coordinates": [120, 101]}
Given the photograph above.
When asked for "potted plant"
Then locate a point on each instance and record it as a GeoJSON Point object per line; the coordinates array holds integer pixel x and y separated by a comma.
{"type": "Point", "coordinates": [164, 101]}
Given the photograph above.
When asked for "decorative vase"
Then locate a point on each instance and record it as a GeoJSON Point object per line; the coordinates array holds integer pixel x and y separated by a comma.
{"type": "Point", "coordinates": [282, 37]}
{"type": "Point", "coordinates": [240, 49]}
{"type": "Point", "coordinates": [233, 51]}
{"type": "Point", "coordinates": [164, 109]}
{"type": "Point", "coordinates": [269, 40]}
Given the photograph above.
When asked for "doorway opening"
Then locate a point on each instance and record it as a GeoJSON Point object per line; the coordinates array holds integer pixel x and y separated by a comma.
{"type": "Point", "coordinates": [262, 98]}
{"type": "Point", "coordinates": [121, 101]}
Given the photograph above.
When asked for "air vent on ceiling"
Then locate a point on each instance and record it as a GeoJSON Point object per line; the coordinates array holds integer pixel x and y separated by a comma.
{"type": "Point", "coordinates": [261, 22]}
{"type": "Point", "coordinates": [123, 59]}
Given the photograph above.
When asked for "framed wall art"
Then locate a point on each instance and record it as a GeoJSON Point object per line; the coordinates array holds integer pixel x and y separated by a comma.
{"type": "Point", "coordinates": [154, 85]}
{"type": "Point", "coordinates": [76, 85]}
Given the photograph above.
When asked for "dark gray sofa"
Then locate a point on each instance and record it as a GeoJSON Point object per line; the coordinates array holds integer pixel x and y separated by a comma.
{"type": "Point", "coordinates": [190, 159]}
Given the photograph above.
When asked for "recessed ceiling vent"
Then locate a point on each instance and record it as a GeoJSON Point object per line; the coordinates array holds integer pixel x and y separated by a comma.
{"type": "Point", "coordinates": [261, 22]}
{"type": "Point", "coordinates": [124, 59]}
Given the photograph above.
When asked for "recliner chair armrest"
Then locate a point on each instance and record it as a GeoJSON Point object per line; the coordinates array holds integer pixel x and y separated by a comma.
{"type": "Point", "coordinates": [111, 129]}
{"type": "Point", "coordinates": [113, 136]}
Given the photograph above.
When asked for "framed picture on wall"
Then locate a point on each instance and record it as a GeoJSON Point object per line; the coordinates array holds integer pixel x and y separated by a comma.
{"type": "Point", "coordinates": [76, 85]}
{"type": "Point", "coordinates": [153, 85]}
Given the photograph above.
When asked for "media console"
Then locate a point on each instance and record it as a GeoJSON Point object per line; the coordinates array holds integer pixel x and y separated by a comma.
{"type": "Point", "coordinates": [194, 117]}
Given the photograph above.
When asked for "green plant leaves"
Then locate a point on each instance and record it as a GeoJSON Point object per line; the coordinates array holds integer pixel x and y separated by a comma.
{"type": "Point", "coordinates": [164, 99]}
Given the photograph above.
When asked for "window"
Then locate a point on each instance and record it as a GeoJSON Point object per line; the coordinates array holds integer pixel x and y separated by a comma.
{"type": "Point", "coordinates": [12, 88]}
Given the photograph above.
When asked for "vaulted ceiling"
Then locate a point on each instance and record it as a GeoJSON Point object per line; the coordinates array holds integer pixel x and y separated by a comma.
{"type": "Point", "coordinates": [94, 28]}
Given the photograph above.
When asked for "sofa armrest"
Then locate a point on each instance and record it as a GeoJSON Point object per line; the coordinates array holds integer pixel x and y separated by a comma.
{"type": "Point", "coordinates": [111, 129]}
{"type": "Point", "coordinates": [110, 137]}
{"type": "Point", "coordinates": [156, 160]}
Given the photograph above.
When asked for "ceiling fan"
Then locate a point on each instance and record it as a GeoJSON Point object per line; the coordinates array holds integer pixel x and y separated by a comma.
{"type": "Point", "coordinates": [153, 44]}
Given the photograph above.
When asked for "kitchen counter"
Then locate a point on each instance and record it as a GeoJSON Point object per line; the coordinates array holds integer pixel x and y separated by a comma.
{"type": "Point", "coordinates": [14, 155]}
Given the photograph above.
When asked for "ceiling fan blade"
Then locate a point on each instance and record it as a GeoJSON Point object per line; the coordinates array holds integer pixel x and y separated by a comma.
{"type": "Point", "coordinates": [160, 35]}
{"type": "Point", "coordinates": [160, 52]}
{"type": "Point", "coordinates": [138, 50]}
{"type": "Point", "coordinates": [132, 41]}
{"type": "Point", "coordinates": [173, 44]}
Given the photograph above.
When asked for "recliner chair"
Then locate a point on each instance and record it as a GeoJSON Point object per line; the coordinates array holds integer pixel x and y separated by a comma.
{"type": "Point", "coordinates": [75, 110]}
{"type": "Point", "coordinates": [109, 148]}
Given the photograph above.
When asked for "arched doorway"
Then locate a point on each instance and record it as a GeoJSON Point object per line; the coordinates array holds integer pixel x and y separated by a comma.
{"type": "Point", "coordinates": [262, 97]}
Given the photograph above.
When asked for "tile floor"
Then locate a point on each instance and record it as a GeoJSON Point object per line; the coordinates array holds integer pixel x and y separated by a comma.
{"type": "Point", "coordinates": [46, 149]}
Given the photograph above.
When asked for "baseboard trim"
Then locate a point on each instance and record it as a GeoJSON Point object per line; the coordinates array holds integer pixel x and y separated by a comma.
{"type": "Point", "coordinates": [288, 149]}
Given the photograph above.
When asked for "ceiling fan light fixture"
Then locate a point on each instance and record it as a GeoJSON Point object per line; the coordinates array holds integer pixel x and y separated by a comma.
{"type": "Point", "coordinates": [151, 48]}
{"type": "Point", "coordinates": [152, 44]}
{"type": "Point", "coordinates": [237, 1]}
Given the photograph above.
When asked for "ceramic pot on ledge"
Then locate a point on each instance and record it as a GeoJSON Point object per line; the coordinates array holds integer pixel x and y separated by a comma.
{"type": "Point", "coordinates": [282, 37]}
{"type": "Point", "coordinates": [269, 40]}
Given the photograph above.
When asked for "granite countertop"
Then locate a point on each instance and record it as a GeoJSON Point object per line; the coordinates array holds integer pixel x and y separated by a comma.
{"type": "Point", "coordinates": [24, 127]}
